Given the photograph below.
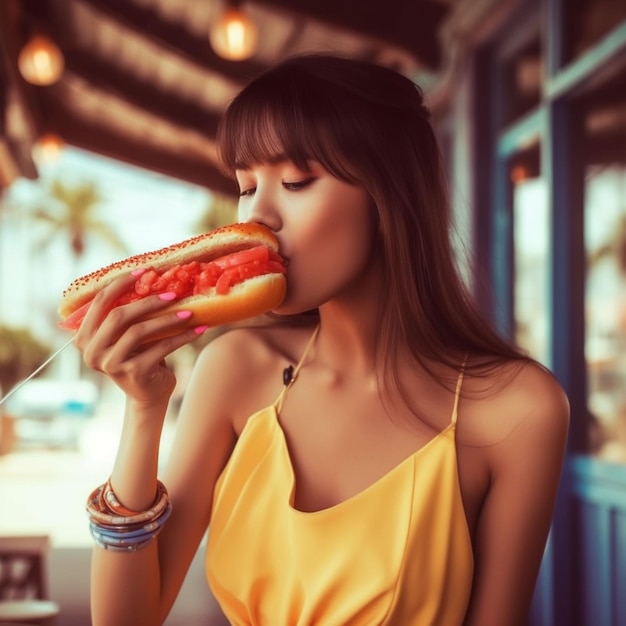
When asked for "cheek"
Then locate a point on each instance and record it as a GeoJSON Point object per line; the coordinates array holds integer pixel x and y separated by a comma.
{"type": "Point", "coordinates": [346, 244]}
{"type": "Point", "coordinates": [345, 250]}
{"type": "Point", "coordinates": [334, 252]}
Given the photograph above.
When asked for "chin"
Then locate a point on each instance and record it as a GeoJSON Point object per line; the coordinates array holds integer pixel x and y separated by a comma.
{"type": "Point", "coordinates": [290, 308]}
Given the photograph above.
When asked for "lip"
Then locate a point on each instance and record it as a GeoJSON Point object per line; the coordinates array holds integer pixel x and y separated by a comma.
{"type": "Point", "coordinates": [283, 256]}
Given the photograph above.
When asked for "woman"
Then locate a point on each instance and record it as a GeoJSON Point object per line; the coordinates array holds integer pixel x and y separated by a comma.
{"type": "Point", "coordinates": [405, 470]}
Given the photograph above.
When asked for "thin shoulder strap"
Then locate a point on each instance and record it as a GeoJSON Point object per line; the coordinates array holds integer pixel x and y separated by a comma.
{"type": "Point", "coordinates": [290, 374]}
{"type": "Point", "coordinates": [306, 351]}
{"type": "Point", "coordinates": [457, 393]}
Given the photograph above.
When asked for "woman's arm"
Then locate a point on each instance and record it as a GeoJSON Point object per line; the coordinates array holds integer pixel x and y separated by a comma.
{"type": "Point", "coordinates": [140, 587]}
{"type": "Point", "coordinates": [146, 583]}
{"type": "Point", "coordinates": [515, 518]}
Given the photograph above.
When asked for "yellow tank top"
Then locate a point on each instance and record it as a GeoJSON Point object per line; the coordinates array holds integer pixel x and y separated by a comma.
{"type": "Point", "coordinates": [396, 554]}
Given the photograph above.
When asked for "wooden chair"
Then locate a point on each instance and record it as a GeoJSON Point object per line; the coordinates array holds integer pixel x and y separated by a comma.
{"type": "Point", "coordinates": [24, 595]}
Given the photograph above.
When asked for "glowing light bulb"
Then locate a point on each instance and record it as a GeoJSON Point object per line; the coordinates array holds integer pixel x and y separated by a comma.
{"type": "Point", "coordinates": [234, 35]}
{"type": "Point", "coordinates": [40, 61]}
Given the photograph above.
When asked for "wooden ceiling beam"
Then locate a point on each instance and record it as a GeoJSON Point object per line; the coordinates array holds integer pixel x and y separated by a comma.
{"type": "Point", "coordinates": [19, 108]}
{"type": "Point", "coordinates": [196, 50]}
{"type": "Point", "coordinates": [412, 25]}
{"type": "Point", "coordinates": [141, 94]}
{"type": "Point", "coordinates": [98, 139]}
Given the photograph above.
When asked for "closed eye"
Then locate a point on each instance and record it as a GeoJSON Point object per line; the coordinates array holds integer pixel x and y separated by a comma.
{"type": "Point", "coordinates": [299, 184]}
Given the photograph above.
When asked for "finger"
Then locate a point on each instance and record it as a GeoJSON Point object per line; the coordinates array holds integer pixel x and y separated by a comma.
{"type": "Point", "coordinates": [128, 329]}
{"type": "Point", "coordinates": [140, 364]}
{"type": "Point", "coordinates": [110, 320]}
{"type": "Point", "coordinates": [103, 302]}
{"type": "Point", "coordinates": [144, 322]}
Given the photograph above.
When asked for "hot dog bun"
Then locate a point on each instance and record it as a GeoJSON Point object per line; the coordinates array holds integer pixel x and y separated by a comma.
{"type": "Point", "coordinates": [249, 298]}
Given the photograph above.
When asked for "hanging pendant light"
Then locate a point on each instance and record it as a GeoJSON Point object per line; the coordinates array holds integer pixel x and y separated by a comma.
{"type": "Point", "coordinates": [234, 35]}
{"type": "Point", "coordinates": [41, 61]}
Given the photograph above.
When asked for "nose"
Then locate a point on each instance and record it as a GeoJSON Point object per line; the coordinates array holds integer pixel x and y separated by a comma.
{"type": "Point", "coordinates": [260, 210]}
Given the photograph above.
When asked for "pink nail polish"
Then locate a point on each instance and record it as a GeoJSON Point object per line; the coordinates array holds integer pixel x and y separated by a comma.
{"type": "Point", "coordinates": [138, 272]}
{"type": "Point", "coordinates": [168, 295]}
{"type": "Point", "coordinates": [200, 329]}
{"type": "Point", "coordinates": [183, 315]}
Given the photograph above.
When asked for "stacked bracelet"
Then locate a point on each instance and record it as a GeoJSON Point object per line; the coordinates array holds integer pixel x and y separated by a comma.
{"type": "Point", "coordinates": [114, 527]}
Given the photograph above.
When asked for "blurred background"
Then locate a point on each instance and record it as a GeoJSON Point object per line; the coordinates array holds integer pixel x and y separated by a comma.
{"type": "Point", "coordinates": [108, 112]}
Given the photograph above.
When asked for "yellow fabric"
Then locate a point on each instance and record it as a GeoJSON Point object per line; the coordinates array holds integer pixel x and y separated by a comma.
{"type": "Point", "coordinates": [397, 553]}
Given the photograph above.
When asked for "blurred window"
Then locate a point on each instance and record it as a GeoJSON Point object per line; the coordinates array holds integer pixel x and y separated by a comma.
{"type": "Point", "coordinates": [604, 149]}
{"type": "Point", "coordinates": [531, 245]}
{"type": "Point", "coordinates": [588, 21]}
{"type": "Point", "coordinates": [521, 76]}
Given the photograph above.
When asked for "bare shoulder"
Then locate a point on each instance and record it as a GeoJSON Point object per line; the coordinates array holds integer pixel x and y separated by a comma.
{"type": "Point", "coordinates": [245, 366]}
{"type": "Point", "coordinates": [523, 407]}
{"type": "Point", "coordinates": [534, 399]}
{"type": "Point", "coordinates": [518, 398]}
{"type": "Point", "coordinates": [520, 432]}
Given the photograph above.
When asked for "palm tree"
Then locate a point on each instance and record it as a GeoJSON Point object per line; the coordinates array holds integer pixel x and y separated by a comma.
{"type": "Point", "coordinates": [72, 212]}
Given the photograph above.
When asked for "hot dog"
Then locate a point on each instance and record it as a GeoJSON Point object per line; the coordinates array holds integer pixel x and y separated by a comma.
{"type": "Point", "coordinates": [227, 275]}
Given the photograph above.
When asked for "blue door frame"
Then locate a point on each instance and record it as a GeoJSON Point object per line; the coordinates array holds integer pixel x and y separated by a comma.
{"type": "Point", "coordinates": [583, 576]}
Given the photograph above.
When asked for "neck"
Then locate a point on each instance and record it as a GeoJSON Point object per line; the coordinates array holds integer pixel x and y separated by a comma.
{"type": "Point", "coordinates": [347, 342]}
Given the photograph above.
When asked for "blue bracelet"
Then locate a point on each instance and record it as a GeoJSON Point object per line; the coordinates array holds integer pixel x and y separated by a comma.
{"type": "Point", "coordinates": [116, 548]}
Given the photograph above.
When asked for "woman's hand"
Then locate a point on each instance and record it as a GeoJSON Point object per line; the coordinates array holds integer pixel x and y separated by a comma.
{"type": "Point", "coordinates": [119, 342]}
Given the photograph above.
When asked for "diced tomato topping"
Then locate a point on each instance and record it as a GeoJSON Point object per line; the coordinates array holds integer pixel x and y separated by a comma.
{"type": "Point", "coordinates": [195, 278]}
{"type": "Point", "coordinates": [224, 283]}
{"type": "Point", "coordinates": [258, 253]}
{"type": "Point", "coordinates": [206, 278]}
{"type": "Point", "coordinates": [275, 267]}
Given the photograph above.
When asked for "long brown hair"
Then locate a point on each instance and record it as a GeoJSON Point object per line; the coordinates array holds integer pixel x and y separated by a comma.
{"type": "Point", "coordinates": [368, 125]}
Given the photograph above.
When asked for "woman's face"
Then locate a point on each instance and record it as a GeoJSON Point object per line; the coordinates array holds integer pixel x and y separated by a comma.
{"type": "Point", "coordinates": [325, 228]}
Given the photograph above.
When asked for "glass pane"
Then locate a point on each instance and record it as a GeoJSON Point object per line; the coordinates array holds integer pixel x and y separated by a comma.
{"type": "Point", "coordinates": [604, 147]}
{"type": "Point", "coordinates": [531, 243]}
{"type": "Point", "coordinates": [588, 21]}
{"type": "Point", "coordinates": [59, 433]}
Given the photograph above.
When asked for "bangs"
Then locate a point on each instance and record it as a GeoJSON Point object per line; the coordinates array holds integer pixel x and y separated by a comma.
{"type": "Point", "coordinates": [273, 121]}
